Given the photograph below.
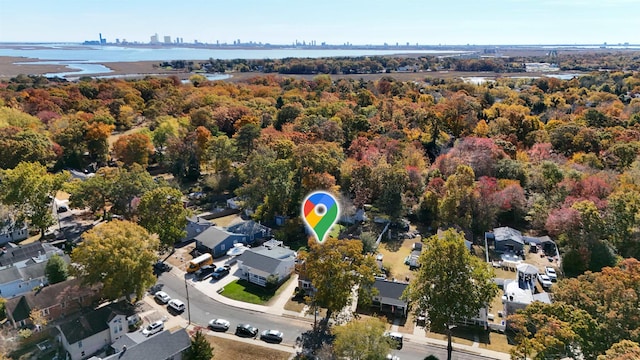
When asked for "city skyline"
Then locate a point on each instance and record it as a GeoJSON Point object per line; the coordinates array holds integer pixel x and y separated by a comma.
{"type": "Point", "coordinates": [500, 22]}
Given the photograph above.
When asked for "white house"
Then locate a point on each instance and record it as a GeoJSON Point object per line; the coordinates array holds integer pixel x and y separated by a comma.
{"type": "Point", "coordinates": [269, 260]}
{"type": "Point", "coordinates": [16, 281]}
{"type": "Point", "coordinates": [12, 232]}
{"type": "Point", "coordinates": [21, 256]}
{"type": "Point", "coordinates": [94, 330]}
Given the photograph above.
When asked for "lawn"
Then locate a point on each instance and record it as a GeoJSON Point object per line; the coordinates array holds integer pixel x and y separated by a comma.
{"type": "Point", "coordinates": [393, 257]}
{"type": "Point", "coordinates": [242, 290]}
{"type": "Point", "coordinates": [230, 349]}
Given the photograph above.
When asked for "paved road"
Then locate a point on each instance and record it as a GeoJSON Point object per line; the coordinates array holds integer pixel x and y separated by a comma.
{"type": "Point", "coordinates": [203, 309]}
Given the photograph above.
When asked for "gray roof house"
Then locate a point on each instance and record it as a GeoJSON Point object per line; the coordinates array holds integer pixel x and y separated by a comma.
{"type": "Point", "coordinates": [163, 346]}
{"type": "Point", "coordinates": [218, 241]}
{"type": "Point", "coordinates": [21, 255]}
{"type": "Point", "coordinates": [269, 260]}
{"type": "Point", "coordinates": [94, 330]}
{"type": "Point", "coordinates": [16, 281]}
{"type": "Point", "coordinates": [388, 298]}
{"type": "Point", "coordinates": [195, 226]}
{"type": "Point", "coordinates": [506, 240]}
{"type": "Point", "coordinates": [254, 230]}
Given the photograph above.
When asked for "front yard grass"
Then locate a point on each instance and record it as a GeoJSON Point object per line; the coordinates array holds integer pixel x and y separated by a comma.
{"type": "Point", "coordinates": [231, 349]}
{"type": "Point", "coordinates": [242, 290]}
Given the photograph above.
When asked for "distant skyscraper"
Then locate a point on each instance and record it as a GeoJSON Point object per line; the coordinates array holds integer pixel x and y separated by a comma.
{"type": "Point", "coordinates": [154, 39]}
{"type": "Point", "coordinates": [167, 39]}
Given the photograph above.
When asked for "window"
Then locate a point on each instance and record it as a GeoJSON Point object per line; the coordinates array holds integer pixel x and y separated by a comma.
{"type": "Point", "coordinates": [44, 312]}
{"type": "Point", "coordinates": [82, 354]}
{"type": "Point", "coordinates": [80, 346]}
{"type": "Point", "coordinates": [222, 247]}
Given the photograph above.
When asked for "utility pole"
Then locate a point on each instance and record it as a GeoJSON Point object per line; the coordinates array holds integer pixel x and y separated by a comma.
{"type": "Point", "coordinates": [186, 287]}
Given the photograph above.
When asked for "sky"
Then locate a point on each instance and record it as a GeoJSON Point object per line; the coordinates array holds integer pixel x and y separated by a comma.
{"type": "Point", "coordinates": [426, 22]}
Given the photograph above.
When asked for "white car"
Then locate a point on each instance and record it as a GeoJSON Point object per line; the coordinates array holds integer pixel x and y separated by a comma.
{"type": "Point", "coordinates": [551, 273]}
{"type": "Point", "coordinates": [176, 305]}
{"type": "Point", "coordinates": [545, 281]}
{"type": "Point", "coordinates": [162, 297]}
{"type": "Point", "coordinates": [219, 325]}
{"type": "Point", "coordinates": [153, 328]}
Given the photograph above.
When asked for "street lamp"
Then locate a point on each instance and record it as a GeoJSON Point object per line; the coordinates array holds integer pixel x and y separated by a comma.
{"type": "Point", "coordinates": [188, 306]}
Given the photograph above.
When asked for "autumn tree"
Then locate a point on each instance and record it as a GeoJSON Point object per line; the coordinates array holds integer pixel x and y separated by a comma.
{"type": "Point", "coordinates": [37, 318]}
{"type": "Point", "coordinates": [119, 255]}
{"type": "Point", "coordinates": [162, 212]}
{"type": "Point", "coordinates": [623, 350]}
{"type": "Point", "coordinates": [451, 284]}
{"type": "Point", "coordinates": [133, 148]}
{"type": "Point", "coordinates": [200, 348]}
{"type": "Point", "coordinates": [555, 330]}
{"type": "Point", "coordinates": [97, 135]}
{"type": "Point", "coordinates": [334, 268]}
{"type": "Point", "coordinates": [29, 188]}
{"type": "Point", "coordinates": [56, 269]}
{"type": "Point", "coordinates": [19, 145]}
{"type": "Point", "coordinates": [361, 339]}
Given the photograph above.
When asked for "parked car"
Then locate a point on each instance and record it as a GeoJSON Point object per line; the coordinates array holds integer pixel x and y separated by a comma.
{"type": "Point", "coordinates": [162, 297]}
{"type": "Point", "coordinates": [545, 281]}
{"type": "Point", "coordinates": [246, 330]}
{"type": "Point", "coordinates": [219, 325]}
{"type": "Point", "coordinates": [271, 336]}
{"type": "Point", "coordinates": [221, 272]}
{"type": "Point", "coordinates": [395, 337]}
{"type": "Point", "coordinates": [205, 272]}
{"type": "Point", "coordinates": [551, 273]}
{"type": "Point", "coordinates": [153, 328]}
{"type": "Point", "coordinates": [62, 209]}
{"type": "Point", "coordinates": [392, 357]}
{"type": "Point", "coordinates": [176, 305]}
{"type": "Point", "coordinates": [160, 267]}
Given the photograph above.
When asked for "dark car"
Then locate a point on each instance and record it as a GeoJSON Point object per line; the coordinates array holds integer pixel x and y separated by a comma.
{"type": "Point", "coordinates": [221, 272]}
{"type": "Point", "coordinates": [205, 272]}
{"type": "Point", "coordinates": [246, 330]}
{"type": "Point", "coordinates": [160, 267]}
{"type": "Point", "coordinates": [271, 336]}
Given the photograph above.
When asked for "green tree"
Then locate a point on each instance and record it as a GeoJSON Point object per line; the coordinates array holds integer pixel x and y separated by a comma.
{"type": "Point", "coordinates": [128, 185]}
{"type": "Point", "coordinates": [119, 255]}
{"type": "Point", "coordinates": [456, 206]}
{"type": "Point", "coordinates": [200, 348]}
{"type": "Point", "coordinates": [29, 188]}
{"type": "Point", "coordinates": [334, 268]}
{"type": "Point", "coordinates": [56, 269]}
{"type": "Point", "coordinates": [246, 136]}
{"type": "Point", "coordinates": [451, 284]}
{"type": "Point", "coordinates": [391, 182]}
{"type": "Point", "coordinates": [93, 193]}
{"type": "Point", "coordinates": [17, 145]}
{"type": "Point", "coordinates": [361, 340]}
{"type": "Point", "coordinates": [162, 212]}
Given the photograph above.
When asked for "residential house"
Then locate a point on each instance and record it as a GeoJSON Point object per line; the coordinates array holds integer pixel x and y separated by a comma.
{"type": "Point", "coordinates": [269, 261]}
{"type": "Point", "coordinates": [218, 241]}
{"type": "Point", "coordinates": [94, 330]}
{"type": "Point", "coordinates": [506, 240]}
{"type": "Point", "coordinates": [195, 226]}
{"type": "Point", "coordinates": [254, 230]}
{"type": "Point", "coordinates": [16, 281]}
{"type": "Point", "coordinates": [388, 298]}
{"type": "Point", "coordinates": [53, 301]}
{"type": "Point", "coordinates": [522, 291]}
{"type": "Point", "coordinates": [21, 255]}
{"type": "Point", "coordinates": [163, 346]}
{"type": "Point", "coordinates": [12, 232]}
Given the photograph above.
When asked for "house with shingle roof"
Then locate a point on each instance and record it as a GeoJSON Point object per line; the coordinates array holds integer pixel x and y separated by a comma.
{"type": "Point", "coordinates": [163, 346]}
{"type": "Point", "coordinates": [388, 298]}
{"type": "Point", "coordinates": [53, 301]}
{"type": "Point", "coordinates": [271, 260]}
{"type": "Point", "coordinates": [10, 231]}
{"type": "Point", "coordinates": [21, 255]}
{"type": "Point", "coordinates": [94, 330]}
{"type": "Point", "coordinates": [16, 281]}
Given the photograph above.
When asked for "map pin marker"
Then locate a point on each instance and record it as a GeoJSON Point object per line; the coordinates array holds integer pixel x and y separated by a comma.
{"type": "Point", "coordinates": [320, 212]}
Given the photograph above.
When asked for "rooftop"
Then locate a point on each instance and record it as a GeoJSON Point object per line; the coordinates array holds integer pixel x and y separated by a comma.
{"type": "Point", "coordinates": [161, 346]}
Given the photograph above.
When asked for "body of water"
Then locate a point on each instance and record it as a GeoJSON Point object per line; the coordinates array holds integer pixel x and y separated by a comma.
{"type": "Point", "coordinates": [98, 54]}
{"type": "Point", "coordinates": [88, 60]}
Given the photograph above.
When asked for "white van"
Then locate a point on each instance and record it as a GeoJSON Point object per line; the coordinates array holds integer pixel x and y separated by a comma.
{"type": "Point", "coordinates": [176, 305]}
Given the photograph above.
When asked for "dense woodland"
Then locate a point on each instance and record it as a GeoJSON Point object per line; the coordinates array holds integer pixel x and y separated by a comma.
{"type": "Point", "coordinates": [547, 156]}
